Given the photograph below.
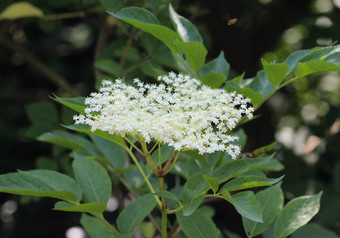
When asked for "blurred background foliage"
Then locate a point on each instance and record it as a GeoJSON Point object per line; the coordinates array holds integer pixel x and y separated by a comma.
{"type": "Point", "coordinates": [76, 44]}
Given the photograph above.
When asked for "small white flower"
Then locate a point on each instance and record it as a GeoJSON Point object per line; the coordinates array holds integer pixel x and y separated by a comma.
{"type": "Point", "coordinates": [179, 111]}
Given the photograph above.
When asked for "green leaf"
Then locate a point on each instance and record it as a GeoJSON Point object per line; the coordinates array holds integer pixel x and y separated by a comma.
{"type": "Point", "coordinates": [255, 97]}
{"type": "Point", "coordinates": [293, 59]}
{"type": "Point", "coordinates": [261, 84]}
{"type": "Point", "coordinates": [315, 66]}
{"type": "Point", "coordinates": [193, 192]}
{"type": "Point", "coordinates": [271, 203]}
{"type": "Point", "coordinates": [194, 52]}
{"type": "Point", "coordinates": [214, 73]}
{"type": "Point", "coordinates": [314, 230]}
{"type": "Point", "coordinates": [112, 5]}
{"type": "Point", "coordinates": [42, 112]}
{"type": "Point", "coordinates": [93, 179]}
{"type": "Point", "coordinates": [245, 182]}
{"type": "Point", "coordinates": [333, 58]}
{"type": "Point", "coordinates": [109, 66]}
{"type": "Point", "coordinates": [336, 176]}
{"type": "Point", "coordinates": [237, 167]}
{"type": "Point", "coordinates": [319, 53]}
{"type": "Point", "coordinates": [114, 153]}
{"type": "Point", "coordinates": [275, 72]}
{"type": "Point", "coordinates": [246, 205]}
{"type": "Point", "coordinates": [68, 140]}
{"type": "Point", "coordinates": [168, 195]}
{"type": "Point", "coordinates": [138, 14]}
{"type": "Point", "coordinates": [197, 225]}
{"type": "Point", "coordinates": [41, 183]}
{"type": "Point", "coordinates": [134, 213]}
{"type": "Point", "coordinates": [20, 10]}
{"type": "Point", "coordinates": [95, 228]}
{"type": "Point", "coordinates": [263, 150]}
{"type": "Point", "coordinates": [184, 27]}
{"type": "Point", "coordinates": [77, 103]}
{"type": "Point", "coordinates": [273, 165]}
{"type": "Point", "coordinates": [86, 129]}
{"type": "Point", "coordinates": [146, 21]}
{"type": "Point", "coordinates": [91, 207]}
{"type": "Point", "coordinates": [295, 214]}
{"type": "Point", "coordinates": [212, 182]}
{"type": "Point", "coordinates": [143, 19]}
{"type": "Point", "coordinates": [147, 229]}
{"type": "Point", "coordinates": [43, 116]}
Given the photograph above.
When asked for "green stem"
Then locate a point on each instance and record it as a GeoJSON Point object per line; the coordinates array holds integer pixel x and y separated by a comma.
{"type": "Point", "coordinates": [152, 190]}
{"type": "Point", "coordinates": [148, 158]}
{"type": "Point", "coordinates": [102, 219]}
{"type": "Point", "coordinates": [173, 163]}
{"type": "Point", "coordinates": [164, 224]}
{"type": "Point", "coordinates": [164, 209]}
{"type": "Point", "coordinates": [175, 210]}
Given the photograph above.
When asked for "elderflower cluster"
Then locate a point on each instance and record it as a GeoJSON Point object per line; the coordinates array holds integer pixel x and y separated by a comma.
{"type": "Point", "coordinates": [179, 111]}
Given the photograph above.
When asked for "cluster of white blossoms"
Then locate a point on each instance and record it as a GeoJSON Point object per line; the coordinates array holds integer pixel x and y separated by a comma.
{"type": "Point", "coordinates": [180, 112]}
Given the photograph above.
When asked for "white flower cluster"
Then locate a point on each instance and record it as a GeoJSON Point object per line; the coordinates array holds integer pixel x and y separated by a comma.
{"type": "Point", "coordinates": [179, 111]}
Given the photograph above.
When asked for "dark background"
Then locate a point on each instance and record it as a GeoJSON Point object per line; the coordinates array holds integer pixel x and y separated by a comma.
{"type": "Point", "coordinates": [264, 29]}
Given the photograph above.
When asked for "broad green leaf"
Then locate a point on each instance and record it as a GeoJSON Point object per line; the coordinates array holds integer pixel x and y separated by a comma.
{"type": "Point", "coordinates": [194, 52]}
{"type": "Point", "coordinates": [152, 69]}
{"type": "Point", "coordinates": [112, 5]}
{"type": "Point", "coordinates": [319, 53]}
{"type": "Point", "coordinates": [20, 10]}
{"type": "Point", "coordinates": [275, 72]}
{"type": "Point", "coordinates": [245, 182]}
{"type": "Point", "coordinates": [212, 80]}
{"type": "Point", "coordinates": [91, 207]}
{"type": "Point", "coordinates": [271, 203]}
{"type": "Point", "coordinates": [68, 140]}
{"type": "Point", "coordinates": [42, 112]}
{"type": "Point", "coordinates": [261, 84]}
{"type": "Point", "coordinates": [146, 21]}
{"type": "Point", "coordinates": [197, 225]}
{"type": "Point", "coordinates": [114, 153]}
{"type": "Point", "coordinates": [191, 202]}
{"type": "Point", "coordinates": [333, 58]}
{"type": "Point", "coordinates": [143, 19]}
{"type": "Point", "coordinates": [43, 116]}
{"type": "Point", "coordinates": [41, 183]}
{"type": "Point", "coordinates": [93, 179]}
{"type": "Point", "coordinates": [315, 66]}
{"type": "Point", "coordinates": [193, 192]}
{"type": "Point", "coordinates": [246, 204]}
{"type": "Point", "coordinates": [273, 165]}
{"type": "Point", "coordinates": [293, 59]}
{"type": "Point", "coordinates": [263, 150]}
{"type": "Point", "coordinates": [77, 103]}
{"type": "Point", "coordinates": [86, 129]}
{"type": "Point", "coordinates": [295, 214]}
{"type": "Point", "coordinates": [109, 66]}
{"type": "Point", "coordinates": [147, 229]}
{"type": "Point", "coordinates": [184, 27]}
{"type": "Point", "coordinates": [234, 168]}
{"type": "Point", "coordinates": [96, 228]}
{"type": "Point", "coordinates": [215, 72]}
{"type": "Point", "coordinates": [168, 195]}
{"type": "Point", "coordinates": [314, 230]}
{"type": "Point", "coordinates": [134, 213]}
{"type": "Point", "coordinates": [254, 96]}
{"type": "Point", "coordinates": [212, 182]}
